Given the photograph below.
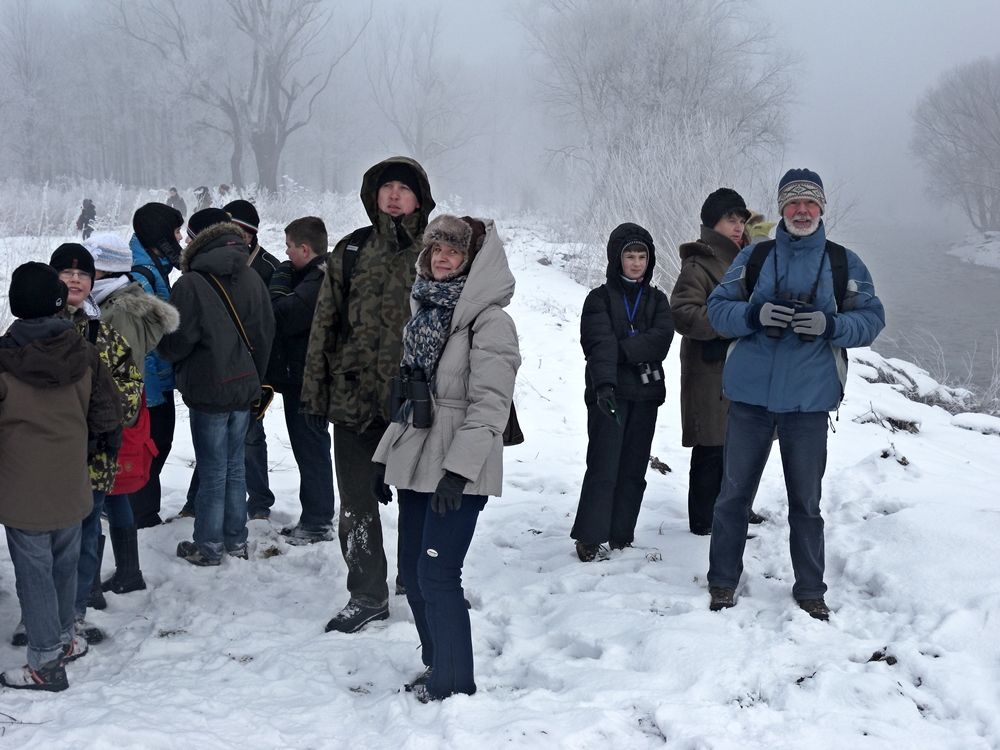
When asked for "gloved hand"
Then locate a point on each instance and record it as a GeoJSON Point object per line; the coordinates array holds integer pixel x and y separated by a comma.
{"type": "Point", "coordinates": [380, 490]}
{"type": "Point", "coordinates": [448, 495]}
{"type": "Point", "coordinates": [110, 442]}
{"type": "Point", "coordinates": [93, 445]}
{"type": "Point", "coordinates": [607, 404]}
{"type": "Point", "coordinates": [317, 423]}
{"type": "Point", "coordinates": [282, 279]}
{"type": "Point", "coordinates": [813, 322]}
{"type": "Point", "coordinates": [777, 313]}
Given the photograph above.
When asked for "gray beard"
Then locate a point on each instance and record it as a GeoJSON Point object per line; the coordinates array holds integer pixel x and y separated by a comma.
{"type": "Point", "coordinates": [802, 232]}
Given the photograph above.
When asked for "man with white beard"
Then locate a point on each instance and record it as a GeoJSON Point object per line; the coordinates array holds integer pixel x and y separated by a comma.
{"type": "Point", "coordinates": [794, 305]}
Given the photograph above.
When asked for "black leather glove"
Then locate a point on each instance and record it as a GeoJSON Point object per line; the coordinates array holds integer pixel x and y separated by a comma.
{"type": "Point", "coordinates": [317, 423]}
{"type": "Point", "coordinates": [380, 490]}
{"type": "Point", "coordinates": [448, 495]}
{"type": "Point", "coordinates": [607, 404]}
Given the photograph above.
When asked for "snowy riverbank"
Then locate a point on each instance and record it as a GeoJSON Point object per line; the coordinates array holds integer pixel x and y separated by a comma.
{"type": "Point", "coordinates": [618, 653]}
{"type": "Point", "coordinates": [983, 250]}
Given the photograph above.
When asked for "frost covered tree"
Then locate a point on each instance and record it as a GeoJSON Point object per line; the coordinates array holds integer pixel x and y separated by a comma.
{"type": "Point", "coordinates": [419, 91]}
{"type": "Point", "coordinates": [260, 65]}
{"type": "Point", "coordinates": [956, 137]}
{"type": "Point", "coordinates": [661, 102]}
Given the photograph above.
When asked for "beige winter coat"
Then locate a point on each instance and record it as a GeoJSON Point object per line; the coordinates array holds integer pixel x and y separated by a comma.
{"type": "Point", "coordinates": [475, 387]}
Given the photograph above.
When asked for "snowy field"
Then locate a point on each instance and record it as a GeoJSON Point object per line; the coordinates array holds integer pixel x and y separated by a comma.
{"type": "Point", "coordinates": [981, 249]}
{"type": "Point", "coordinates": [620, 653]}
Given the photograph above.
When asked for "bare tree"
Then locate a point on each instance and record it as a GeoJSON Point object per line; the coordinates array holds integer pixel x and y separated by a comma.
{"type": "Point", "coordinates": [957, 138]}
{"type": "Point", "coordinates": [661, 102]}
{"type": "Point", "coordinates": [419, 92]}
{"type": "Point", "coordinates": [262, 84]}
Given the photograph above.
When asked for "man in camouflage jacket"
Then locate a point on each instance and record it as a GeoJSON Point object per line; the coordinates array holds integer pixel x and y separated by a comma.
{"type": "Point", "coordinates": [349, 364]}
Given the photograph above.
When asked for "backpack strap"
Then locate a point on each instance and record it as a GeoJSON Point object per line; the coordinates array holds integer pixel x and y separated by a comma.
{"type": "Point", "coordinates": [146, 274]}
{"type": "Point", "coordinates": [358, 238]}
{"type": "Point", "coordinates": [755, 262]}
{"type": "Point", "coordinates": [710, 275]}
{"type": "Point", "coordinates": [93, 329]}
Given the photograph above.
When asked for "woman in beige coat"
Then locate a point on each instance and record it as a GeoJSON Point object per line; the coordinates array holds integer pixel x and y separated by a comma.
{"type": "Point", "coordinates": [460, 357]}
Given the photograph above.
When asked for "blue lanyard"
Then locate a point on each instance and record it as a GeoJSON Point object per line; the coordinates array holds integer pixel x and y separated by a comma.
{"type": "Point", "coordinates": [631, 313]}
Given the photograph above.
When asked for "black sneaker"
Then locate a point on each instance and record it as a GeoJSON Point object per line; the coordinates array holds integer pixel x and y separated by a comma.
{"type": "Point", "coordinates": [189, 551]}
{"type": "Point", "coordinates": [90, 633]}
{"type": "Point", "coordinates": [421, 680]}
{"type": "Point", "coordinates": [587, 552]}
{"type": "Point", "coordinates": [815, 608]}
{"type": "Point", "coordinates": [755, 517]}
{"type": "Point", "coordinates": [51, 677]}
{"type": "Point", "coordinates": [20, 637]}
{"type": "Point", "coordinates": [299, 535]}
{"type": "Point", "coordinates": [355, 616]}
{"type": "Point", "coordinates": [722, 598]}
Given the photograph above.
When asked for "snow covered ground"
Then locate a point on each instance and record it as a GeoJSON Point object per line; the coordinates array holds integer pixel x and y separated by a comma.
{"type": "Point", "coordinates": [983, 250]}
{"type": "Point", "coordinates": [620, 653]}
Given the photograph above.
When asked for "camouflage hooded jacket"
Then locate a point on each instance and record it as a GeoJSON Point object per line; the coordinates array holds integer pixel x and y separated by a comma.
{"type": "Point", "coordinates": [348, 380]}
{"type": "Point", "coordinates": [117, 357]}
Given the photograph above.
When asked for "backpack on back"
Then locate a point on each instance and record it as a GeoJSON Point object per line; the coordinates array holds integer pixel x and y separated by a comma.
{"type": "Point", "coordinates": [135, 457]}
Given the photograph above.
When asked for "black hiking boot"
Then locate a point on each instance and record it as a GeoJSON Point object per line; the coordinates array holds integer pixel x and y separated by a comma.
{"type": "Point", "coordinates": [189, 551]}
{"type": "Point", "coordinates": [722, 598]}
{"type": "Point", "coordinates": [587, 552]}
{"type": "Point", "coordinates": [815, 608]}
{"type": "Point", "coordinates": [355, 616]}
{"type": "Point", "coordinates": [421, 680]}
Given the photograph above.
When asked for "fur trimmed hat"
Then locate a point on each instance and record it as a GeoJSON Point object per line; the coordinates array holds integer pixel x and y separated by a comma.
{"type": "Point", "coordinates": [72, 255]}
{"type": "Point", "coordinates": [720, 204]}
{"type": "Point", "coordinates": [110, 252]}
{"type": "Point", "coordinates": [36, 291]}
{"type": "Point", "coordinates": [465, 234]}
{"type": "Point", "coordinates": [801, 184]}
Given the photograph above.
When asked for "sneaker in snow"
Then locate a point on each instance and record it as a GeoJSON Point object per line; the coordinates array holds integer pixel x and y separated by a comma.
{"type": "Point", "coordinates": [20, 637]}
{"type": "Point", "coordinates": [189, 551]}
{"type": "Point", "coordinates": [51, 677]}
{"type": "Point", "coordinates": [299, 535]}
{"type": "Point", "coordinates": [421, 680]}
{"type": "Point", "coordinates": [722, 598]}
{"type": "Point", "coordinates": [91, 633]}
{"type": "Point", "coordinates": [815, 608]}
{"type": "Point", "coordinates": [74, 649]}
{"type": "Point", "coordinates": [355, 616]}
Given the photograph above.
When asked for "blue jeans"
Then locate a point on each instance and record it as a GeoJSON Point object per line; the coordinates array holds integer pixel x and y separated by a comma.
{"type": "Point", "coordinates": [221, 503]}
{"type": "Point", "coordinates": [119, 511]}
{"type": "Point", "coordinates": [255, 463]}
{"type": "Point", "coordinates": [315, 462]}
{"type": "Point", "coordinates": [86, 569]}
{"type": "Point", "coordinates": [432, 552]}
{"type": "Point", "coordinates": [45, 578]}
{"type": "Point", "coordinates": [802, 441]}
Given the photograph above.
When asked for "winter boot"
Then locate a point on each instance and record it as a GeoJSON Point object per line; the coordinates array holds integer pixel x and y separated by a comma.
{"type": "Point", "coordinates": [97, 600]}
{"type": "Point", "coordinates": [816, 608]}
{"type": "Point", "coordinates": [722, 598]}
{"type": "Point", "coordinates": [51, 677]}
{"type": "Point", "coordinates": [587, 552]}
{"type": "Point", "coordinates": [127, 575]}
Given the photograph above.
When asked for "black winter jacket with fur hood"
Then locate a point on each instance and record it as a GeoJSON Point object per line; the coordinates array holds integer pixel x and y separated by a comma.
{"type": "Point", "coordinates": [214, 371]}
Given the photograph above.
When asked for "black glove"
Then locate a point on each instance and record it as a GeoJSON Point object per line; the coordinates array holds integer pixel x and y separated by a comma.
{"type": "Point", "coordinates": [380, 490]}
{"type": "Point", "coordinates": [607, 404]}
{"type": "Point", "coordinates": [93, 445]}
{"type": "Point", "coordinates": [448, 495]}
{"type": "Point", "coordinates": [111, 442]}
{"type": "Point", "coordinates": [317, 423]}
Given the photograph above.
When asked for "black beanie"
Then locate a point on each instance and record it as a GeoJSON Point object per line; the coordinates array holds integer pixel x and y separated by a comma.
{"type": "Point", "coordinates": [155, 222]}
{"type": "Point", "coordinates": [72, 255]}
{"type": "Point", "coordinates": [397, 172]}
{"type": "Point", "coordinates": [244, 215]}
{"type": "Point", "coordinates": [36, 291]}
{"type": "Point", "coordinates": [721, 203]}
{"type": "Point", "coordinates": [206, 218]}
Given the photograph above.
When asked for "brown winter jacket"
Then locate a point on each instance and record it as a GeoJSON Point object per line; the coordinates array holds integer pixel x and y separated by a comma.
{"type": "Point", "coordinates": [54, 390]}
{"type": "Point", "coordinates": [703, 407]}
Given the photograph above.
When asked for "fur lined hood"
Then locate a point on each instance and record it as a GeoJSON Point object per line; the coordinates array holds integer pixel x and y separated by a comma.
{"type": "Point", "coordinates": [133, 300]}
{"type": "Point", "coordinates": [224, 235]}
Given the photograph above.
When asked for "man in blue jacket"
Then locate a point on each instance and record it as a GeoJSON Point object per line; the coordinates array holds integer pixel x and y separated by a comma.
{"type": "Point", "coordinates": [785, 371]}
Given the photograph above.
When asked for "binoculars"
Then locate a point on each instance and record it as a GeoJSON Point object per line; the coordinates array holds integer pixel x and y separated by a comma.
{"type": "Point", "coordinates": [410, 387]}
{"type": "Point", "coordinates": [648, 373]}
{"type": "Point", "coordinates": [804, 299]}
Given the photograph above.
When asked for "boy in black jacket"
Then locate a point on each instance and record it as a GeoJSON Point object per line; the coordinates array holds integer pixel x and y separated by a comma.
{"type": "Point", "coordinates": [294, 290]}
{"type": "Point", "coordinates": [625, 332]}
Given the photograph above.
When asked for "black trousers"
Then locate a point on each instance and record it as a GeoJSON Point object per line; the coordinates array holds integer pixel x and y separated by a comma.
{"type": "Point", "coordinates": [146, 502]}
{"type": "Point", "coordinates": [615, 481]}
{"type": "Point", "coordinates": [704, 483]}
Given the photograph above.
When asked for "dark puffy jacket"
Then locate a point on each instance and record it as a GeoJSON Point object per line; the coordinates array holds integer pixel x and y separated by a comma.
{"type": "Point", "coordinates": [54, 390]}
{"type": "Point", "coordinates": [264, 263]}
{"type": "Point", "coordinates": [293, 314]}
{"type": "Point", "coordinates": [215, 372]}
{"type": "Point", "coordinates": [612, 355]}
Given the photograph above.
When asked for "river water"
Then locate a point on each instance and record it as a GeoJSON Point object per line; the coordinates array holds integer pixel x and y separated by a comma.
{"type": "Point", "coordinates": [928, 293]}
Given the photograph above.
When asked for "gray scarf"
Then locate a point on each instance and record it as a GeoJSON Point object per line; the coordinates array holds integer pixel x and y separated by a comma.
{"type": "Point", "coordinates": [427, 331]}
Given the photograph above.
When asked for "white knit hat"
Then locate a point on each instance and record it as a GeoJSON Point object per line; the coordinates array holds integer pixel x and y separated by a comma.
{"type": "Point", "coordinates": [111, 253]}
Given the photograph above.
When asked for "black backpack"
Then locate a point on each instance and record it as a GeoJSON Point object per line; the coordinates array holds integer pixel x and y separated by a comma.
{"type": "Point", "coordinates": [838, 265]}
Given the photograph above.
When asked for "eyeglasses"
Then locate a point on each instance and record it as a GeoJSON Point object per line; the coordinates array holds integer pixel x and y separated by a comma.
{"type": "Point", "coordinates": [70, 274]}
